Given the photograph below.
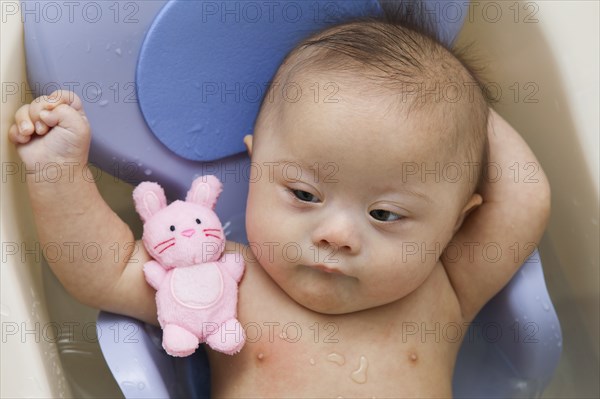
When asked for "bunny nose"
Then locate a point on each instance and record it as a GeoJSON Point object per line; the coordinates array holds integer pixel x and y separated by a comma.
{"type": "Point", "coordinates": [188, 232]}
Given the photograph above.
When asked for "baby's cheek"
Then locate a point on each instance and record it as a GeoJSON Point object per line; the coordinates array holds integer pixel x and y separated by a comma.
{"type": "Point", "coordinates": [262, 215]}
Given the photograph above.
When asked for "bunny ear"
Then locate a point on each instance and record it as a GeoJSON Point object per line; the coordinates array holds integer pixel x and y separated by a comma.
{"type": "Point", "coordinates": [149, 198]}
{"type": "Point", "coordinates": [205, 190]}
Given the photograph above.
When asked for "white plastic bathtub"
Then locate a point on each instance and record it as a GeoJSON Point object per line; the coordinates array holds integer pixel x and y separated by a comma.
{"type": "Point", "coordinates": [541, 55]}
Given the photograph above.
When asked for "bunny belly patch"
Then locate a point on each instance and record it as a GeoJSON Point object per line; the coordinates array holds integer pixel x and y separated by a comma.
{"type": "Point", "coordinates": [197, 287]}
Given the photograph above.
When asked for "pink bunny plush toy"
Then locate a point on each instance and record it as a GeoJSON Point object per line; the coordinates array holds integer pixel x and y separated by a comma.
{"type": "Point", "coordinates": [196, 284]}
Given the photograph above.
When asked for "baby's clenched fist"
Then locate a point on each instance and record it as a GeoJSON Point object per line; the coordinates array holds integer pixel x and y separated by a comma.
{"type": "Point", "coordinates": [52, 128]}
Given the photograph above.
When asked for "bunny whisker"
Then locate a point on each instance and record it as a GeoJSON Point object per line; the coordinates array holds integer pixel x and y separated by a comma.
{"type": "Point", "coordinates": [167, 247]}
{"type": "Point", "coordinates": [164, 242]}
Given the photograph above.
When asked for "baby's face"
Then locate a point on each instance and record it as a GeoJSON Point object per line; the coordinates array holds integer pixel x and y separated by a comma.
{"type": "Point", "coordinates": [338, 217]}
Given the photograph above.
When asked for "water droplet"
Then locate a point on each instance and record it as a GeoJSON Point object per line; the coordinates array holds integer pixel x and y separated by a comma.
{"type": "Point", "coordinates": [147, 172]}
{"type": "Point", "coordinates": [95, 92]}
{"type": "Point", "coordinates": [336, 358]}
{"type": "Point", "coordinates": [537, 297]}
{"type": "Point", "coordinates": [546, 306]}
{"type": "Point", "coordinates": [118, 52]}
{"type": "Point", "coordinates": [128, 384]}
{"type": "Point", "coordinates": [559, 345]}
{"type": "Point", "coordinates": [360, 375]}
{"type": "Point", "coordinates": [139, 164]}
{"type": "Point", "coordinates": [413, 357]}
{"type": "Point", "coordinates": [520, 385]}
{"type": "Point", "coordinates": [107, 46]}
{"type": "Point", "coordinates": [260, 356]}
{"type": "Point", "coordinates": [88, 47]}
{"type": "Point", "coordinates": [141, 386]}
{"type": "Point", "coordinates": [552, 326]}
{"type": "Point", "coordinates": [312, 361]}
{"type": "Point", "coordinates": [103, 103]}
{"type": "Point", "coordinates": [283, 335]}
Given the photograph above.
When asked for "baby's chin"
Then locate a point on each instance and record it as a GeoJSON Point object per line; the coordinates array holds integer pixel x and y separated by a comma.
{"type": "Point", "coordinates": [325, 307]}
{"type": "Point", "coordinates": [329, 304]}
{"type": "Point", "coordinates": [325, 293]}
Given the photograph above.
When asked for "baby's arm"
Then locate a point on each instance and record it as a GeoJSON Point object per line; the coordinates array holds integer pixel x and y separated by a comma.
{"type": "Point", "coordinates": [101, 263]}
{"type": "Point", "coordinates": [501, 233]}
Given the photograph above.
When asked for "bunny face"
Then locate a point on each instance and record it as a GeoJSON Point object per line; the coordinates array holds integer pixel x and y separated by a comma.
{"type": "Point", "coordinates": [186, 232]}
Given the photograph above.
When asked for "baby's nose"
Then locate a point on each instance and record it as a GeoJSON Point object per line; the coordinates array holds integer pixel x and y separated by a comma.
{"type": "Point", "coordinates": [188, 232]}
{"type": "Point", "coordinates": [337, 234]}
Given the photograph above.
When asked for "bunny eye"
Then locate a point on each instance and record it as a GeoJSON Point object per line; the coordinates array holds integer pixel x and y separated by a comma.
{"type": "Point", "coordinates": [198, 221]}
{"type": "Point", "coordinates": [172, 228]}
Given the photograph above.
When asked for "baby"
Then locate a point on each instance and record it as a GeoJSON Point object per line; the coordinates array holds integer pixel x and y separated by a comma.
{"type": "Point", "coordinates": [370, 227]}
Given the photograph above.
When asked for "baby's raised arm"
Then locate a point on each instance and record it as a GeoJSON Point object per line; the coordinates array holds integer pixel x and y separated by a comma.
{"type": "Point", "coordinates": [100, 263]}
{"type": "Point", "coordinates": [501, 233]}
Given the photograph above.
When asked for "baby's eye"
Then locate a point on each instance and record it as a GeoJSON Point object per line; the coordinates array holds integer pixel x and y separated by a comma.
{"type": "Point", "coordinates": [384, 216]}
{"type": "Point", "coordinates": [198, 221]}
{"type": "Point", "coordinates": [172, 228]}
{"type": "Point", "coordinates": [304, 196]}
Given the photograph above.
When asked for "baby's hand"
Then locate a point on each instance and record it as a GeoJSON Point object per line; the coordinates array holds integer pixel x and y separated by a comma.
{"type": "Point", "coordinates": [52, 128]}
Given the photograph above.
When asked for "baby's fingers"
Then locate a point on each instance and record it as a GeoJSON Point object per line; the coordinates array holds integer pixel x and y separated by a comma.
{"type": "Point", "coordinates": [66, 117]}
{"type": "Point", "coordinates": [16, 137]}
{"type": "Point", "coordinates": [54, 100]}
{"type": "Point", "coordinates": [23, 128]}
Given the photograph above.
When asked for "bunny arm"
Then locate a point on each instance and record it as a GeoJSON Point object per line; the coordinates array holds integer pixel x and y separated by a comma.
{"type": "Point", "coordinates": [234, 264]}
{"type": "Point", "coordinates": [154, 273]}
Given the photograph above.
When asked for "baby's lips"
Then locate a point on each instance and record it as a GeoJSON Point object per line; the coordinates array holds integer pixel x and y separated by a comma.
{"type": "Point", "coordinates": [327, 269]}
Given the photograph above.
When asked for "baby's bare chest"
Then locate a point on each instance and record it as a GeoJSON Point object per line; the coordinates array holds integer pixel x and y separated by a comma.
{"type": "Point", "coordinates": [398, 350]}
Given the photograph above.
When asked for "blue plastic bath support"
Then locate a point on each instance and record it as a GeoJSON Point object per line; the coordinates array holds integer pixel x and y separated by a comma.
{"type": "Point", "coordinates": [170, 89]}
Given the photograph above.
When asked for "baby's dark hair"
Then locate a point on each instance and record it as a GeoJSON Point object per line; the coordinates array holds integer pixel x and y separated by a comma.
{"type": "Point", "coordinates": [401, 53]}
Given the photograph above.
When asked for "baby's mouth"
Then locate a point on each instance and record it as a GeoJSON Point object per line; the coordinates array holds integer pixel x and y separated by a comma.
{"type": "Point", "coordinates": [327, 269]}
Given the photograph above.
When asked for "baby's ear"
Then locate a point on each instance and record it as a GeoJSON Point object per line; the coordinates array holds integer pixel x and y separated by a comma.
{"type": "Point", "coordinates": [248, 141]}
{"type": "Point", "coordinates": [471, 205]}
{"type": "Point", "coordinates": [205, 191]}
{"type": "Point", "coordinates": [148, 198]}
